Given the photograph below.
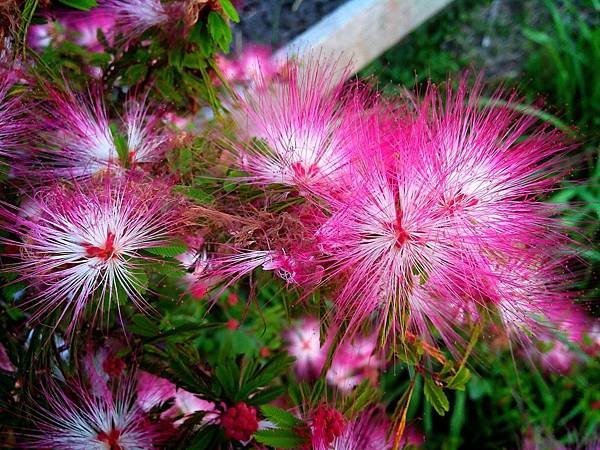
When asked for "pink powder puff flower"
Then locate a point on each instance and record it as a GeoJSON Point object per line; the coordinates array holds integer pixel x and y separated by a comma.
{"type": "Point", "coordinates": [146, 140]}
{"type": "Point", "coordinates": [369, 431]}
{"type": "Point", "coordinates": [84, 27]}
{"type": "Point", "coordinates": [302, 126]}
{"type": "Point", "coordinates": [134, 17]}
{"type": "Point", "coordinates": [354, 362]}
{"type": "Point", "coordinates": [256, 63]}
{"type": "Point", "coordinates": [14, 126]}
{"type": "Point", "coordinates": [459, 184]}
{"type": "Point", "coordinates": [79, 143]}
{"type": "Point", "coordinates": [88, 242]}
{"type": "Point", "coordinates": [229, 68]}
{"type": "Point", "coordinates": [5, 362]}
{"type": "Point", "coordinates": [304, 343]}
{"type": "Point", "coordinates": [79, 27]}
{"type": "Point", "coordinates": [177, 121]}
{"type": "Point", "coordinates": [76, 419]}
{"type": "Point", "coordinates": [559, 345]}
{"type": "Point", "coordinates": [41, 35]}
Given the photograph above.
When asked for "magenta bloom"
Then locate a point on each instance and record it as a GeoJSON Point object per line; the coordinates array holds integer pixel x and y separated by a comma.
{"type": "Point", "coordinates": [302, 126]}
{"type": "Point", "coordinates": [134, 17]}
{"type": "Point", "coordinates": [75, 419]}
{"type": "Point", "coordinates": [87, 241]}
{"type": "Point", "coordinates": [83, 27]}
{"type": "Point", "coordinates": [435, 214]}
{"type": "Point", "coordinates": [40, 36]}
{"type": "Point", "coordinates": [13, 125]}
{"type": "Point", "coordinates": [78, 27]}
{"type": "Point", "coordinates": [253, 65]}
{"type": "Point", "coordinates": [304, 343]}
{"type": "Point", "coordinates": [78, 141]}
{"type": "Point", "coordinates": [354, 362]}
{"type": "Point", "coordinates": [146, 139]}
{"type": "Point", "coordinates": [368, 431]}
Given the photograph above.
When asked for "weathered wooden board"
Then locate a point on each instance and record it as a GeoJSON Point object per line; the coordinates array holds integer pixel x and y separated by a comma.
{"type": "Point", "coordinates": [361, 30]}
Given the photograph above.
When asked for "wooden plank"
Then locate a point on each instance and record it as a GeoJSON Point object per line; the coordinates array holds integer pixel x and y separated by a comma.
{"type": "Point", "coordinates": [361, 30]}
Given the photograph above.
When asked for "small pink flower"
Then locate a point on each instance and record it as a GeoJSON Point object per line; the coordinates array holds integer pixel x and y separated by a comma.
{"type": "Point", "coordinates": [40, 36]}
{"type": "Point", "coordinates": [78, 141]}
{"type": "Point", "coordinates": [84, 27]}
{"type": "Point", "coordinates": [134, 17]}
{"type": "Point", "coordinates": [230, 69]}
{"type": "Point", "coordinates": [304, 343]}
{"type": "Point", "coordinates": [146, 140]}
{"type": "Point", "coordinates": [369, 431]}
{"type": "Point", "coordinates": [302, 125]}
{"type": "Point", "coordinates": [354, 362]}
{"type": "Point", "coordinates": [79, 27]}
{"type": "Point", "coordinates": [256, 64]}
{"type": "Point", "coordinates": [76, 419]}
{"type": "Point", "coordinates": [15, 126]}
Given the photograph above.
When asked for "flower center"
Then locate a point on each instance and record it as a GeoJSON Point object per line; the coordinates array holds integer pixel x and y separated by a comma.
{"type": "Point", "coordinates": [113, 365]}
{"type": "Point", "coordinates": [106, 252]}
{"type": "Point", "coordinates": [459, 201]}
{"type": "Point", "coordinates": [301, 172]}
{"type": "Point", "coordinates": [111, 439]}
{"type": "Point", "coordinates": [401, 234]}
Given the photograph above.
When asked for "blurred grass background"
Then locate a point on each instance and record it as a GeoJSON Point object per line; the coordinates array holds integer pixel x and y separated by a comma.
{"type": "Point", "coordinates": [548, 50]}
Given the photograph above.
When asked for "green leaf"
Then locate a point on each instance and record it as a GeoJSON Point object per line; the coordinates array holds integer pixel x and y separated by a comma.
{"type": "Point", "coordinates": [168, 251]}
{"type": "Point", "coordinates": [229, 10]}
{"type": "Point", "coordinates": [266, 395]}
{"type": "Point", "coordinates": [176, 57]}
{"type": "Point", "coordinates": [219, 31]}
{"type": "Point", "coordinates": [198, 195]}
{"type": "Point", "coordinates": [194, 61]}
{"type": "Point", "coordinates": [135, 73]}
{"type": "Point", "coordinates": [225, 377]}
{"type": "Point", "coordinates": [459, 381]}
{"type": "Point", "coordinates": [139, 280]}
{"type": "Point", "coordinates": [436, 396]}
{"type": "Point", "coordinates": [206, 438]}
{"type": "Point", "coordinates": [83, 5]}
{"type": "Point", "coordinates": [143, 326]}
{"type": "Point", "coordinates": [278, 438]}
{"type": "Point", "coordinates": [457, 421]}
{"type": "Point", "coordinates": [280, 417]}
